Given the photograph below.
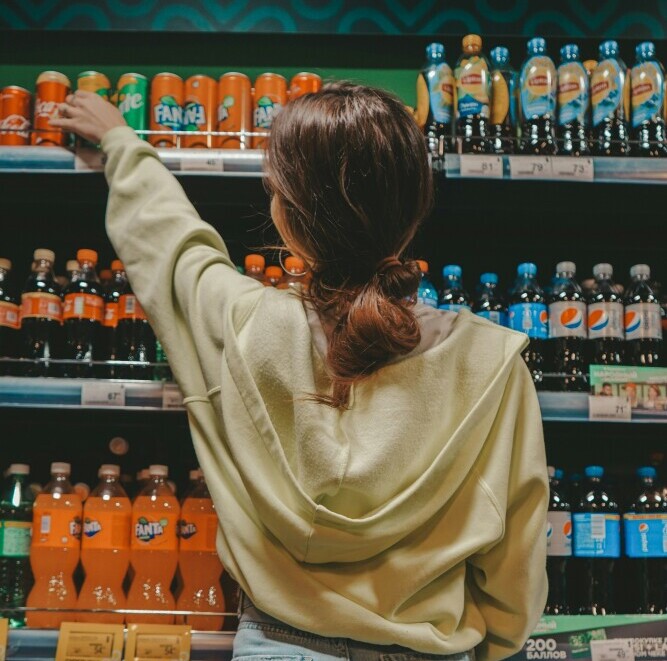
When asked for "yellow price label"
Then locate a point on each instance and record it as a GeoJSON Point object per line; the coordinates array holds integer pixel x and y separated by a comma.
{"type": "Point", "coordinates": [161, 642]}
{"type": "Point", "coordinates": [4, 632]}
{"type": "Point", "coordinates": [90, 642]}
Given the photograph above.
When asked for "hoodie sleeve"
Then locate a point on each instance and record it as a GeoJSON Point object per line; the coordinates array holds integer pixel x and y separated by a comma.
{"type": "Point", "coordinates": [178, 265]}
{"type": "Point", "coordinates": [509, 581]}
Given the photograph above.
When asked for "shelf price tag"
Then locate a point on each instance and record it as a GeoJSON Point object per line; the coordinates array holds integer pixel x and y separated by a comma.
{"type": "Point", "coordinates": [619, 649]}
{"type": "Point", "coordinates": [208, 161]}
{"type": "Point", "coordinates": [609, 408]}
{"type": "Point", "coordinates": [102, 393]}
{"type": "Point", "coordinates": [481, 165]}
{"type": "Point", "coordinates": [165, 642]}
{"type": "Point", "coordinates": [531, 167]}
{"type": "Point", "coordinates": [172, 397]}
{"type": "Point", "coordinates": [4, 631]}
{"type": "Point", "coordinates": [89, 159]}
{"type": "Point", "coordinates": [576, 168]}
{"type": "Point", "coordinates": [89, 642]}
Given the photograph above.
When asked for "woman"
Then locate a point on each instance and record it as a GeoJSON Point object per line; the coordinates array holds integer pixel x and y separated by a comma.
{"type": "Point", "coordinates": [377, 466]}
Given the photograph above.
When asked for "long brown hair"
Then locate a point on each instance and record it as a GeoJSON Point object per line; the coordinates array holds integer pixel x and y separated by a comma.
{"type": "Point", "coordinates": [350, 170]}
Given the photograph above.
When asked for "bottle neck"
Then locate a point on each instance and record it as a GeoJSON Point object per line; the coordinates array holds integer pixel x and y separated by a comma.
{"type": "Point", "coordinates": [4, 274]}
{"type": "Point", "coordinates": [42, 266]}
{"type": "Point", "coordinates": [640, 277]}
{"type": "Point", "coordinates": [88, 270]}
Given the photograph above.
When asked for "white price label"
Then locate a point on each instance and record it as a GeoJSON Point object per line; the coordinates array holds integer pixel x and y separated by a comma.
{"type": "Point", "coordinates": [172, 397]}
{"type": "Point", "coordinates": [573, 167]}
{"type": "Point", "coordinates": [102, 393]}
{"type": "Point", "coordinates": [618, 649]}
{"type": "Point", "coordinates": [609, 408]}
{"type": "Point", "coordinates": [531, 167]}
{"type": "Point", "coordinates": [202, 162]}
{"type": "Point", "coordinates": [474, 165]}
{"type": "Point", "coordinates": [89, 159]}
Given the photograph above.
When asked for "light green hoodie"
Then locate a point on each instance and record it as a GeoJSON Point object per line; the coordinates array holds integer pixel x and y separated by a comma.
{"type": "Point", "coordinates": [416, 517]}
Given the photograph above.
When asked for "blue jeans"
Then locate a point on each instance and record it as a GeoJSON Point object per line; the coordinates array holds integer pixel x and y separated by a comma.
{"type": "Point", "coordinates": [263, 638]}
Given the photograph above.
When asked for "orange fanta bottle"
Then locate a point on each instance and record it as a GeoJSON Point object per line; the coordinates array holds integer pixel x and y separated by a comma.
{"type": "Point", "coordinates": [55, 548]}
{"type": "Point", "coordinates": [154, 549]}
{"type": "Point", "coordinates": [198, 560]}
{"type": "Point", "coordinates": [105, 548]}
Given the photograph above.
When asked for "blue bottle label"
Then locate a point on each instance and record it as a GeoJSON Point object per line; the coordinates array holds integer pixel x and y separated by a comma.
{"type": "Point", "coordinates": [607, 82]}
{"type": "Point", "coordinates": [572, 93]}
{"type": "Point", "coordinates": [530, 318]}
{"type": "Point", "coordinates": [426, 299]}
{"type": "Point", "coordinates": [597, 535]}
{"type": "Point", "coordinates": [645, 535]}
{"type": "Point", "coordinates": [647, 92]}
{"type": "Point", "coordinates": [454, 307]}
{"type": "Point", "coordinates": [441, 92]}
{"type": "Point", "coordinates": [496, 316]}
{"type": "Point", "coordinates": [538, 88]}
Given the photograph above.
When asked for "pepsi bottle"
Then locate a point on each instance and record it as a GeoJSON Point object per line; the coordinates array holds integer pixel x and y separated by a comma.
{"type": "Point", "coordinates": [643, 330]}
{"type": "Point", "coordinates": [597, 543]}
{"type": "Point", "coordinates": [427, 293]}
{"type": "Point", "coordinates": [605, 319]}
{"type": "Point", "coordinates": [453, 296]}
{"type": "Point", "coordinates": [645, 528]}
{"type": "Point", "coordinates": [572, 103]}
{"type": "Point", "coordinates": [503, 101]}
{"type": "Point", "coordinates": [559, 544]}
{"type": "Point", "coordinates": [567, 329]}
{"type": "Point", "coordinates": [528, 314]}
{"type": "Point", "coordinates": [488, 303]}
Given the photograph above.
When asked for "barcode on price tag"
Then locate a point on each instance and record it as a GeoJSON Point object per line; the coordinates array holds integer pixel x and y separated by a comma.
{"type": "Point", "coordinates": [573, 167]}
{"type": "Point", "coordinates": [202, 163]}
{"type": "Point", "coordinates": [474, 165]}
{"type": "Point", "coordinates": [530, 167]}
{"type": "Point", "coordinates": [609, 408]}
{"type": "Point", "coordinates": [102, 393]}
{"type": "Point", "coordinates": [618, 649]}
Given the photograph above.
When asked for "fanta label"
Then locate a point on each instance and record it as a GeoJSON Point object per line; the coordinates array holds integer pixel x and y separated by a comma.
{"type": "Point", "coordinates": [567, 319]}
{"type": "Point", "coordinates": [41, 305]}
{"type": "Point", "coordinates": [529, 318]}
{"type": "Point", "coordinates": [473, 88]}
{"type": "Point", "coordinates": [130, 308]}
{"type": "Point", "coordinates": [84, 306]}
{"type": "Point", "coordinates": [642, 322]}
{"type": "Point", "coordinates": [496, 316]}
{"type": "Point", "coordinates": [111, 315]}
{"type": "Point", "coordinates": [538, 87]}
{"type": "Point", "coordinates": [107, 530]}
{"type": "Point", "coordinates": [264, 113]}
{"type": "Point", "coordinates": [606, 90]}
{"type": "Point", "coordinates": [597, 535]}
{"type": "Point", "coordinates": [198, 532]}
{"type": "Point", "coordinates": [59, 528]}
{"type": "Point", "coordinates": [645, 535]}
{"type": "Point", "coordinates": [647, 92]}
{"type": "Point", "coordinates": [559, 533]}
{"type": "Point", "coordinates": [441, 93]}
{"type": "Point", "coordinates": [168, 114]}
{"type": "Point", "coordinates": [223, 108]}
{"type": "Point", "coordinates": [194, 116]}
{"type": "Point", "coordinates": [572, 93]}
{"type": "Point", "coordinates": [9, 315]}
{"type": "Point", "coordinates": [15, 539]}
{"type": "Point", "coordinates": [605, 320]}
{"type": "Point", "coordinates": [159, 533]}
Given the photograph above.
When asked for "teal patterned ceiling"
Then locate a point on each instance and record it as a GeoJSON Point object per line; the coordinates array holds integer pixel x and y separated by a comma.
{"type": "Point", "coordinates": [576, 18]}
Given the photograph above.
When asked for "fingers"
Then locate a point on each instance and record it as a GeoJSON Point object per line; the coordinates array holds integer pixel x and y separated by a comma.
{"type": "Point", "coordinates": [63, 122]}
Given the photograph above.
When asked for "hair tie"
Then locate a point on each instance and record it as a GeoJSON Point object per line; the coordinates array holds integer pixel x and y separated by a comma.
{"type": "Point", "coordinates": [387, 263]}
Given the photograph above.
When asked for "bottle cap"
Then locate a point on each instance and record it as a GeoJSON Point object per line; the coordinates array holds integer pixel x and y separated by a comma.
{"type": "Point", "coordinates": [551, 471]}
{"type": "Point", "coordinates": [295, 265]}
{"type": "Point", "coordinates": [5, 264]}
{"type": "Point", "coordinates": [19, 469]}
{"type": "Point", "coordinates": [241, 270]}
{"type": "Point", "coordinates": [72, 265]}
{"type": "Point", "coordinates": [423, 265]}
{"type": "Point", "coordinates": [435, 51]}
{"type": "Point", "coordinates": [118, 446]}
{"type": "Point", "coordinates": [45, 254]}
{"type": "Point", "coordinates": [194, 474]}
{"type": "Point", "coordinates": [527, 268]}
{"type": "Point", "coordinates": [569, 52]}
{"type": "Point", "coordinates": [559, 474]}
{"type": "Point", "coordinates": [647, 471]}
{"type": "Point", "coordinates": [86, 255]}
{"type": "Point", "coordinates": [594, 471]}
{"type": "Point", "coordinates": [472, 43]}
{"type": "Point", "coordinates": [254, 260]}
{"type": "Point", "coordinates": [489, 278]}
{"type": "Point", "coordinates": [105, 274]}
{"type": "Point", "coordinates": [117, 265]}
{"type": "Point", "coordinates": [143, 474]}
{"type": "Point", "coordinates": [645, 50]}
{"type": "Point", "coordinates": [566, 267]}
{"type": "Point", "coordinates": [608, 49]}
{"type": "Point", "coordinates": [82, 489]}
{"type": "Point", "coordinates": [640, 269]}
{"type": "Point", "coordinates": [500, 55]}
{"type": "Point", "coordinates": [590, 65]}
{"type": "Point", "coordinates": [61, 467]}
{"type": "Point", "coordinates": [603, 269]}
{"type": "Point", "coordinates": [537, 45]}
{"type": "Point", "coordinates": [274, 272]}
{"type": "Point", "coordinates": [452, 270]}
{"type": "Point", "coordinates": [158, 470]}
{"type": "Point", "coordinates": [109, 469]}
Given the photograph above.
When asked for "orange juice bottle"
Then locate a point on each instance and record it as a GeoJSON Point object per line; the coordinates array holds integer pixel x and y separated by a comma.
{"type": "Point", "coordinates": [105, 548]}
{"type": "Point", "coordinates": [154, 549]}
{"type": "Point", "coordinates": [55, 549]}
{"type": "Point", "coordinates": [198, 561]}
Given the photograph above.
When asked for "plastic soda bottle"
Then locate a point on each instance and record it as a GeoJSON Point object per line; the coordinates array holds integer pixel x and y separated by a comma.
{"type": "Point", "coordinates": [648, 99]}
{"type": "Point", "coordinates": [254, 267]}
{"type": "Point", "coordinates": [473, 98]}
{"type": "Point", "coordinates": [9, 317]}
{"type": "Point", "coordinates": [198, 560]}
{"type": "Point", "coordinates": [597, 543]}
{"type": "Point", "coordinates": [295, 273]}
{"type": "Point", "coordinates": [645, 529]}
{"type": "Point", "coordinates": [610, 102]}
{"type": "Point", "coordinates": [643, 331]}
{"type": "Point", "coordinates": [110, 324]}
{"type": "Point", "coordinates": [559, 544]}
{"type": "Point", "coordinates": [435, 99]}
{"type": "Point", "coordinates": [453, 296]}
{"type": "Point", "coordinates": [538, 100]}
{"type": "Point", "coordinates": [273, 276]}
{"type": "Point", "coordinates": [503, 101]}
{"type": "Point", "coordinates": [605, 319]}
{"type": "Point", "coordinates": [427, 293]}
{"type": "Point", "coordinates": [567, 328]}
{"type": "Point", "coordinates": [573, 103]}
{"type": "Point", "coordinates": [528, 314]}
{"type": "Point", "coordinates": [154, 549]}
{"type": "Point", "coordinates": [105, 548]}
{"type": "Point", "coordinates": [15, 525]}
{"type": "Point", "coordinates": [55, 549]}
{"type": "Point", "coordinates": [489, 304]}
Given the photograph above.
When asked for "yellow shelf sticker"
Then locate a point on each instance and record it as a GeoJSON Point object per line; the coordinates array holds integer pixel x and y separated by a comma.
{"type": "Point", "coordinates": [161, 642]}
{"type": "Point", "coordinates": [4, 631]}
{"type": "Point", "coordinates": [90, 642]}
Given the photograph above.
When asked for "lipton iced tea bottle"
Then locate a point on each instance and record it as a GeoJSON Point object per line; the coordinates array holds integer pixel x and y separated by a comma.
{"type": "Point", "coordinates": [83, 315]}
{"type": "Point", "coordinates": [254, 267]}
{"type": "Point", "coordinates": [198, 560]}
{"type": "Point", "coordinates": [154, 549]}
{"type": "Point", "coordinates": [41, 316]}
{"type": "Point", "coordinates": [572, 103]}
{"type": "Point", "coordinates": [105, 548]}
{"type": "Point", "coordinates": [110, 323]}
{"type": "Point", "coordinates": [55, 549]}
{"type": "Point", "coordinates": [473, 92]}
{"type": "Point", "coordinates": [503, 101]}
{"type": "Point", "coordinates": [9, 317]}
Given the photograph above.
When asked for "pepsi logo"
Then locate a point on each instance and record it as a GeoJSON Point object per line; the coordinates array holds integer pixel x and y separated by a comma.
{"type": "Point", "coordinates": [643, 527]}
{"type": "Point", "coordinates": [632, 321]}
{"type": "Point", "coordinates": [567, 529]}
{"type": "Point", "coordinates": [571, 318]}
{"type": "Point", "coordinates": [544, 317]}
{"type": "Point", "coordinates": [550, 530]}
{"type": "Point", "coordinates": [598, 320]}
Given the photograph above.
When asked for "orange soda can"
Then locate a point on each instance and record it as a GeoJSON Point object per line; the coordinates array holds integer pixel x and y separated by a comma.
{"type": "Point", "coordinates": [269, 98]}
{"type": "Point", "coordinates": [166, 108]}
{"type": "Point", "coordinates": [304, 83]}
{"type": "Point", "coordinates": [52, 89]}
{"type": "Point", "coordinates": [199, 110]}
{"type": "Point", "coordinates": [234, 109]}
{"type": "Point", "coordinates": [94, 81]}
{"type": "Point", "coordinates": [14, 115]}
